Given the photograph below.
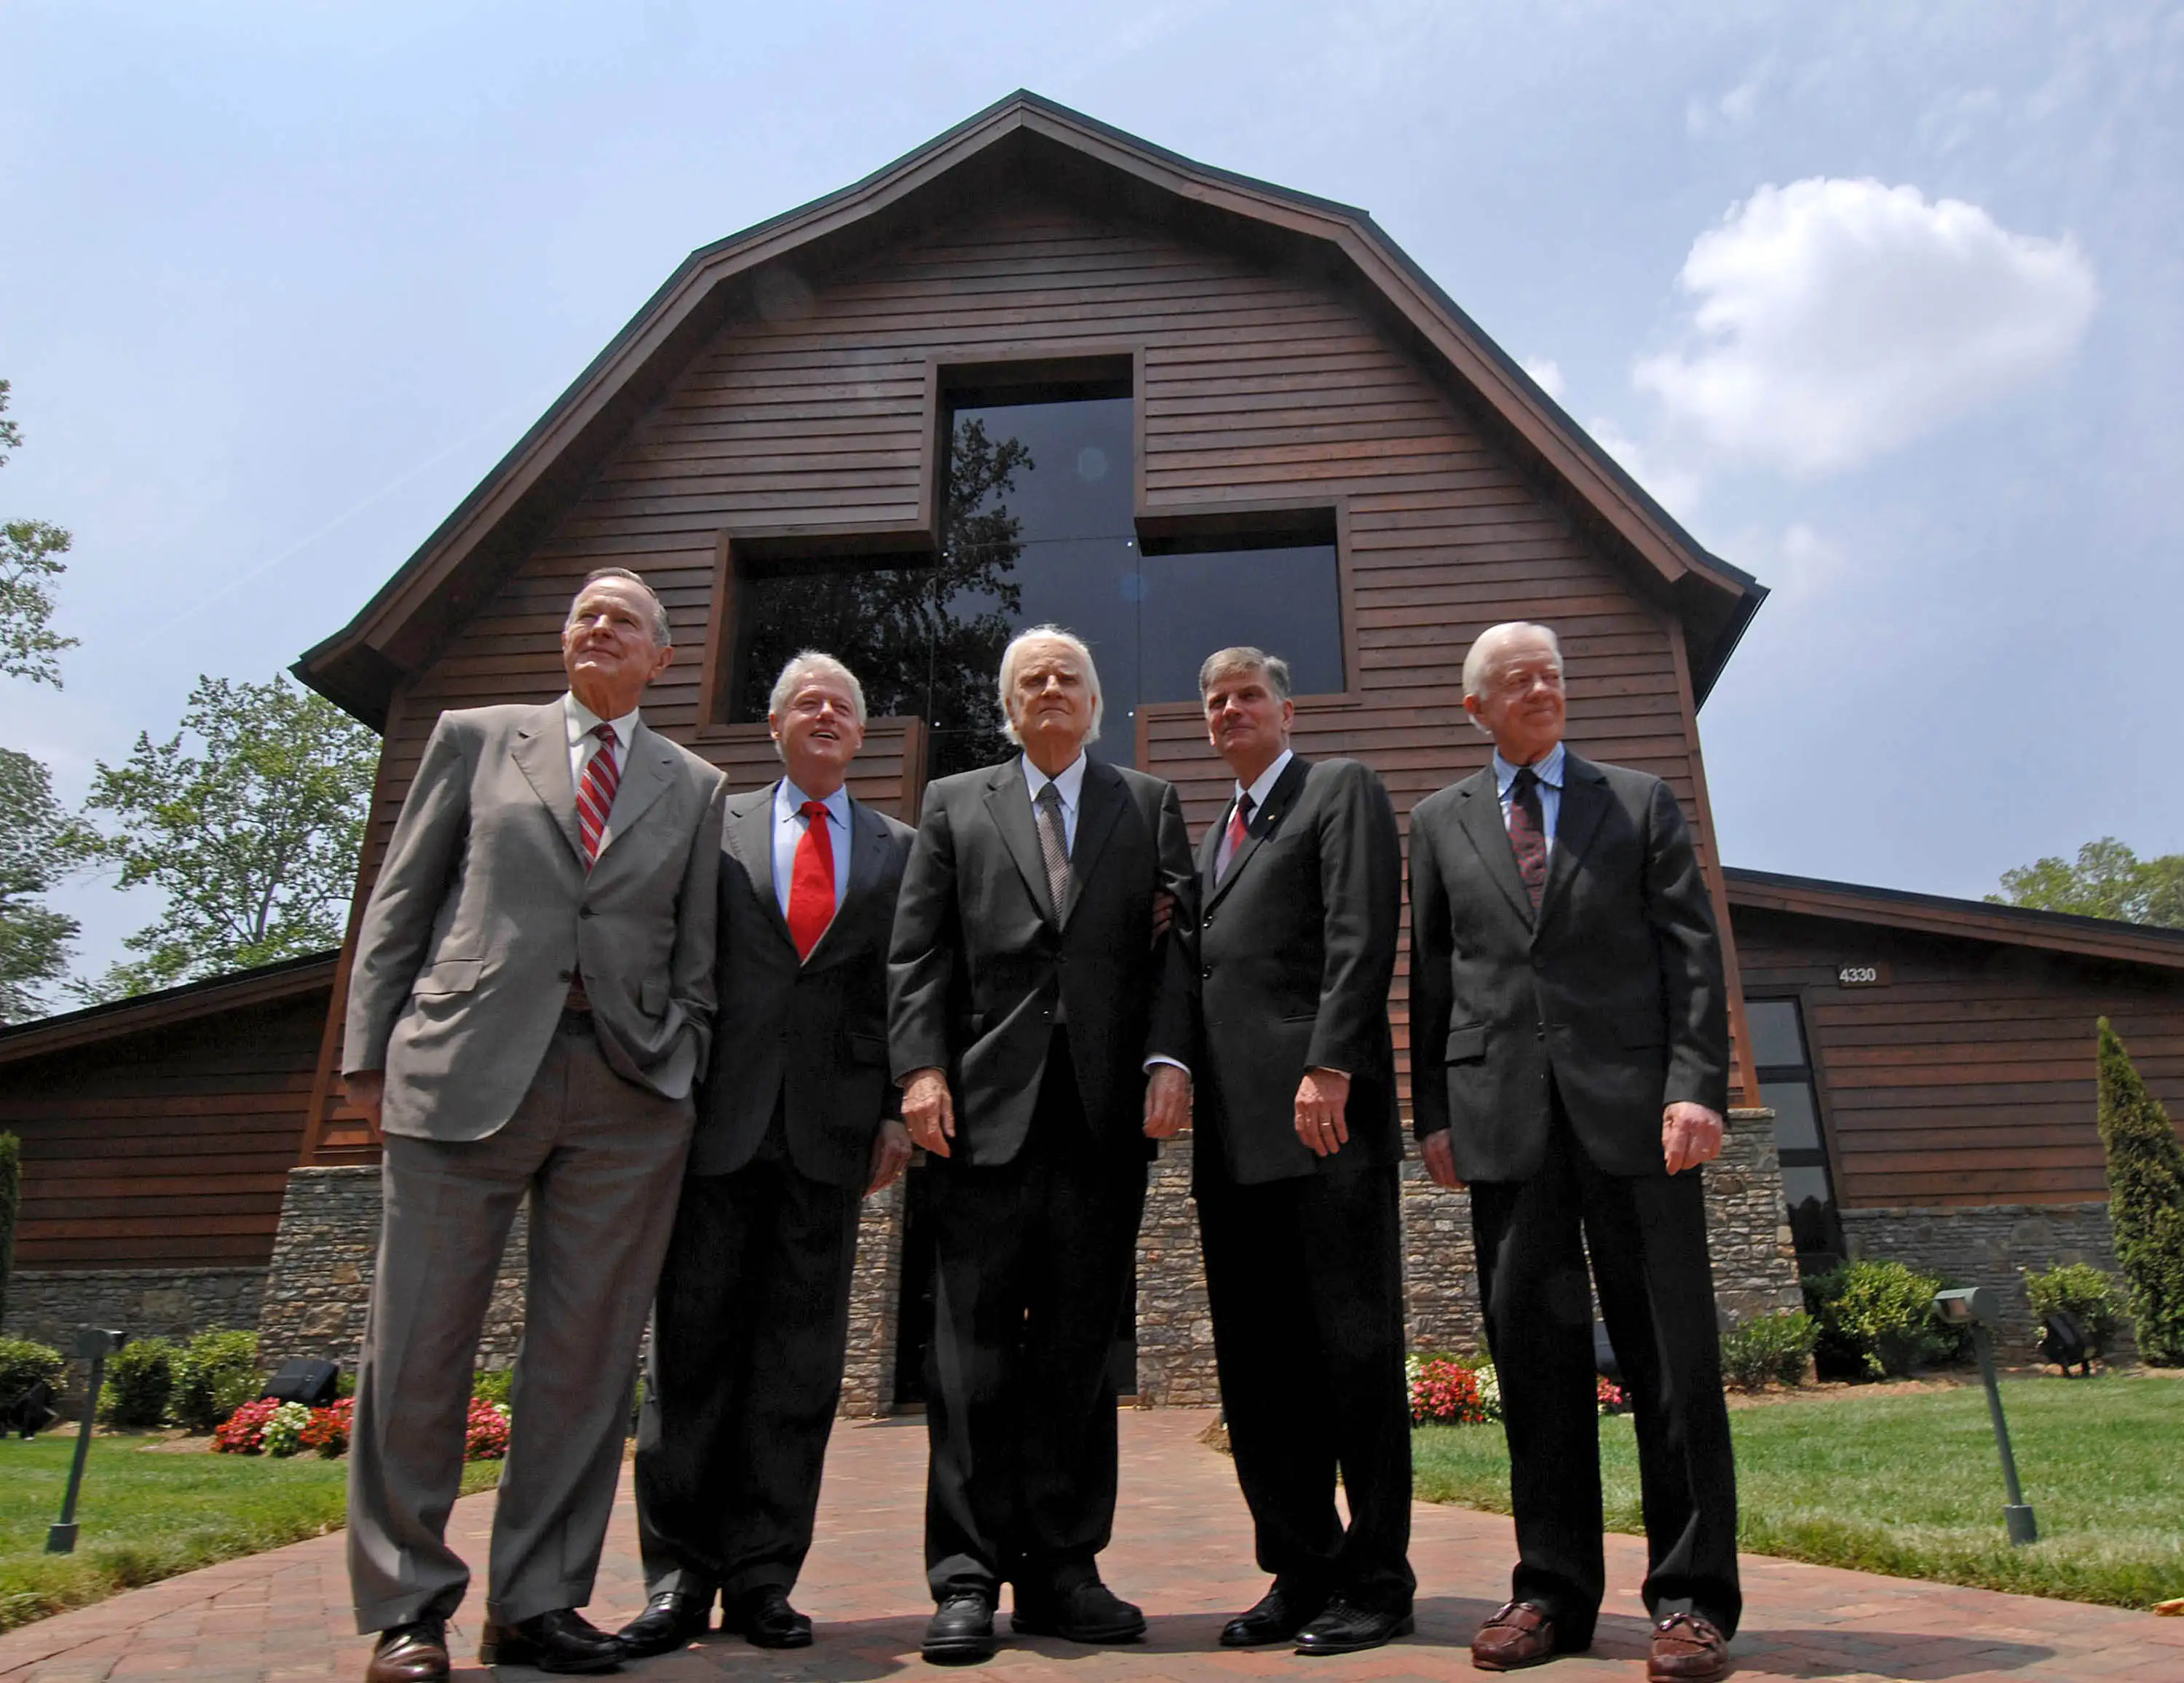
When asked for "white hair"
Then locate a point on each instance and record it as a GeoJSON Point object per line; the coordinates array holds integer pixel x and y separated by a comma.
{"type": "Point", "coordinates": [663, 635]}
{"type": "Point", "coordinates": [1077, 646]}
{"type": "Point", "coordinates": [809, 663]}
{"type": "Point", "coordinates": [1484, 659]}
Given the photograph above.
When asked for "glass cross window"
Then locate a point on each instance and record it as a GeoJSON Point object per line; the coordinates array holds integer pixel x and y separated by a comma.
{"type": "Point", "coordinates": [1784, 1066]}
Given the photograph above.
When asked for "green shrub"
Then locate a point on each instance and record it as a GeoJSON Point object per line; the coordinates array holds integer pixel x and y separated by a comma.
{"type": "Point", "coordinates": [1876, 1320]}
{"type": "Point", "coordinates": [490, 1385]}
{"type": "Point", "coordinates": [22, 1364]}
{"type": "Point", "coordinates": [2084, 1291]}
{"type": "Point", "coordinates": [215, 1374]}
{"type": "Point", "coordinates": [2146, 1201]}
{"type": "Point", "coordinates": [1768, 1350]}
{"type": "Point", "coordinates": [139, 1376]}
{"type": "Point", "coordinates": [11, 1199]}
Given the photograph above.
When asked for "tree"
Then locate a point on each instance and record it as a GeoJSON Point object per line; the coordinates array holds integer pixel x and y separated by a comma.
{"type": "Point", "coordinates": [2146, 1201]}
{"type": "Point", "coordinates": [253, 841]}
{"type": "Point", "coordinates": [2108, 881]}
{"type": "Point", "coordinates": [30, 560]}
{"type": "Point", "coordinates": [38, 843]}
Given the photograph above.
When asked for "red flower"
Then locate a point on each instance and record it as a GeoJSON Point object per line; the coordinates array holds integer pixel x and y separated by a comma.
{"type": "Point", "coordinates": [486, 1439]}
{"type": "Point", "coordinates": [244, 1432]}
{"type": "Point", "coordinates": [328, 1428]}
{"type": "Point", "coordinates": [1447, 1393]}
{"type": "Point", "coordinates": [1613, 1400]}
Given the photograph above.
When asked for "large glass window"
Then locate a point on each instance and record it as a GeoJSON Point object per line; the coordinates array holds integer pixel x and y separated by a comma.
{"type": "Point", "coordinates": [1784, 1069]}
{"type": "Point", "coordinates": [1037, 525]}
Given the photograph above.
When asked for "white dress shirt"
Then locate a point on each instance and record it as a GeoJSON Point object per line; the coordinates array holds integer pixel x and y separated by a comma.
{"type": "Point", "coordinates": [1262, 786]}
{"type": "Point", "coordinates": [1548, 771]}
{"type": "Point", "coordinates": [789, 827]}
{"type": "Point", "coordinates": [582, 744]}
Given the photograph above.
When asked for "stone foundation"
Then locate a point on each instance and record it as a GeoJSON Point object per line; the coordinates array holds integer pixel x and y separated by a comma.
{"type": "Point", "coordinates": [1989, 1245]}
{"type": "Point", "coordinates": [875, 1303]}
{"type": "Point", "coordinates": [1175, 1327]}
{"type": "Point", "coordinates": [49, 1304]}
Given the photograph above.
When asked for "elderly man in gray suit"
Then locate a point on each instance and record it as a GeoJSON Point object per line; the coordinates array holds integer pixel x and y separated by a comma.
{"type": "Point", "coordinates": [531, 997]}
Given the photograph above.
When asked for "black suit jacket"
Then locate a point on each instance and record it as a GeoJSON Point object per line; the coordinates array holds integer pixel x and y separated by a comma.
{"type": "Point", "coordinates": [1297, 950]}
{"type": "Point", "coordinates": [811, 1034]}
{"type": "Point", "coordinates": [1618, 990]}
{"type": "Point", "coordinates": [979, 957]}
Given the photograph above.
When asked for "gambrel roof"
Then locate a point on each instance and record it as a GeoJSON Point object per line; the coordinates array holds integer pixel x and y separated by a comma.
{"type": "Point", "coordinates": [1022, 137]}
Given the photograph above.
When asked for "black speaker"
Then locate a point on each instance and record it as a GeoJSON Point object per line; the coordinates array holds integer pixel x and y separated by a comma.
{"type": "Point", "coordinates": [31, 1413]}
{"type": "Point", "coordinates": [303, 1379]}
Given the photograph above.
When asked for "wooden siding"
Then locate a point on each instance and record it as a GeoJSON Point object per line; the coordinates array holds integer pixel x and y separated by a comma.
{"type": "Point", "coordinates": [1254, 388]}
{"type": "Point", "coordinates": [171, 1146]}
{"type": "Point", "coordinates": [1969, 1077]}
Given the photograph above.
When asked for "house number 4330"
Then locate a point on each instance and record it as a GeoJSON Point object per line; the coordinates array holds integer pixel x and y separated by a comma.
{"type": "Point", "coordinates": [1858, 976]}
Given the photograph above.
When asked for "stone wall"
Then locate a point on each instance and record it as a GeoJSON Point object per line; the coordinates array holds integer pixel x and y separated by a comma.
{"type": "Point", "coordinates": [49, 1304]}
{"type": "Point", "coordinates": [1175, 1327]}
{"type": "Point", "coordinates": [1989, 1245]}
{"type": "Point", "coordinates": [875, 1305]}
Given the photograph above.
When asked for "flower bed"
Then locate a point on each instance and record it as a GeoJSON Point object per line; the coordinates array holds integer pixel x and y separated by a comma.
{"type": "Point", "coordinates": [283, 1429]}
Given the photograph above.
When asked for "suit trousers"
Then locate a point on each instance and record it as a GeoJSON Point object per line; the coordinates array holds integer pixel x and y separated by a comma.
{"type": "Point", "coordinates": [1305, 1278]}
{"type": "Point", "coordinates": [748, 1334]}
{"type": "Point", "coordinates": [1646, 1236]}
{"type": "Point", "coordinates": [1033, 1260]}
{"type": "Point", "coordinates": [600, 1159]}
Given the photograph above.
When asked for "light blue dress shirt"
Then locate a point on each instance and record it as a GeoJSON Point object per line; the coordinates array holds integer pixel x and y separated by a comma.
{"type": "Point", "coordinates": [1549, 772]}
{"type": "Point", "coordinates": [1069, 786]}
{"type": "Point", "coordinates": [788, 828]}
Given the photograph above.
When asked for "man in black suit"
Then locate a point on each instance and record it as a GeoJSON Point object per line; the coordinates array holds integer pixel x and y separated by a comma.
{"type": "Point", "coordinates": [1040, 1038]}
{"type": "Point", "coordinates": [1299, 1150]}
{"type": "Point", "coordinates": [1569, 1058]}
{"type": "Point", "coordinates": [796, 1123]}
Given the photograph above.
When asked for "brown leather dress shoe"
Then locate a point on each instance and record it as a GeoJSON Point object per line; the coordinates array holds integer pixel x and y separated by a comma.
{"type": "Point", "coordinates": [415, 1652]}
{"type": "Point", "coordinates": [1687, 1648]}
{"type": "Point", "coordinates": [1518, 1635]}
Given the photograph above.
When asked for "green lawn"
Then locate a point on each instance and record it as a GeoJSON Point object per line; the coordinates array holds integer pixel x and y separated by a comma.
{"type": "Point", "coordinates": [1909, 1484]}
{"type": "Point", "coordinates": [147, 1514]}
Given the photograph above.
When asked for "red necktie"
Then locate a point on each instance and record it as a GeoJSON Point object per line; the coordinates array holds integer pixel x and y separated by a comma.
{"type": "Point", "coordinates": [811, 883]}
{"type": "Point", "coordinates": [595, 795]}
{"type": "Point", "coordinates": [1232, 844]}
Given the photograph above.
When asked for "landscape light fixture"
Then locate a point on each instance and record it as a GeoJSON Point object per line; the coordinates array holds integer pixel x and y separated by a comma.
{"type": "Point", "coordinates": [1976, 1307]}
{"type": "Point", "coordinates": [94, 1344]}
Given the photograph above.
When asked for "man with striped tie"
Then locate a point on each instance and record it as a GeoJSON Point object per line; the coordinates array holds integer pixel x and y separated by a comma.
{"type": "Point", "coordinates": [797, 1121]}
{"type": "Point", "coordinates": [530, 1001]}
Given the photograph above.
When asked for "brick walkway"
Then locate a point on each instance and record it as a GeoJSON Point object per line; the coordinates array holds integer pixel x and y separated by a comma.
{"type": "Point", "coordinates": [1183, 1550]}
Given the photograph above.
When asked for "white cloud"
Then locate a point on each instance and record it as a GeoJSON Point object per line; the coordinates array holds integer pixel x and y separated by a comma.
{"type": "Point", "coordinates": [1837, 320]}
{"type": "Point", "coordinates": [1676, 487]}
{"type": "Point", "coordinates": [1546, 373]}
{"type": "Point", "coordinates": [1732, 110]}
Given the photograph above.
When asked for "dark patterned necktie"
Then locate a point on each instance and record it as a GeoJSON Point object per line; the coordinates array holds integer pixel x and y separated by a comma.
{"type": "Point", "coordinates": [1054, 848]}
{"type": "Point", "coordinates": [1528, 833]}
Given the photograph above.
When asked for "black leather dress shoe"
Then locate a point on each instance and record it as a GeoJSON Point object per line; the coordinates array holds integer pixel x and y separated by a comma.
{"type": "Point", "coordinates": [1277, 1617]}
{"type": "Point", "coordinates": [672, 1620]}
{"type": "Point", "coordinates": [1344, 1629]}
{"type": "Point", "coordinates": [1088, 1612]}
{"type": "Point", "coordinates": [563, 1641]}
{"type": "Point", "coordinates": [766, 1620]}
{"type": "Point", "coordinates": [960, 1632]}
{"type": "Point", "coordinates": [415, 1652]}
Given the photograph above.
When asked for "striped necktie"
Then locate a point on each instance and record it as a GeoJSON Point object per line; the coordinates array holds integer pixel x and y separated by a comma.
{"type": "Point", "coordinates": [595, 795]}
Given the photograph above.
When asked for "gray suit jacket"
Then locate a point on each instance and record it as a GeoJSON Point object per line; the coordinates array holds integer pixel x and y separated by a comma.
{"type": "Point", "coordinates": [809, 1034]}
{"type": "Point", "coordinates": [1615, 991]}
{"type": "Point", "coordinates": [483, 913]}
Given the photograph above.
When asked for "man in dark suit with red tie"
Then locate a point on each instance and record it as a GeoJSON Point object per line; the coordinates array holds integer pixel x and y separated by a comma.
{"type": "Point", "coordinates": [1569, 1060]}
{"type": "Point", "coordinates": [1299, 1147]}
{"type": "Point", "coordinates": [796, 1123]}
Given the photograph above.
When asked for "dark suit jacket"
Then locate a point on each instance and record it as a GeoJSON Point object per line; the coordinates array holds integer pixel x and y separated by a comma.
{"type": "Point", "coordinates": [811, 1034]}
{"type": "Point", "coordinates": [1617, 991]}
{"type": "Point", "coordinates": [980, 958]}
{"type": "Point", "coordinates": [1296, 950]}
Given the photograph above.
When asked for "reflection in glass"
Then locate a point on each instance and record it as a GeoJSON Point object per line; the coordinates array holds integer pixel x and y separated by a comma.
{"type": "Point", "coordinates": [1796, 1123]}
{"type": "Point", "coordinates": [1776, 1038]}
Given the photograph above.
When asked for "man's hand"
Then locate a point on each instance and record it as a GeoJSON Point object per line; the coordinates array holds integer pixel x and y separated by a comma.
{"type": "Point", "coordinates": [1322, 1098]}
{"type": "Point", "coordinates": [890, 1155]}
{"type": "Point", "coordinates": [367, 1091]}
{"type": "Point", "coordinates": [1691, 1134]}
{"type": "Point", "coordinates": [928, 1113]}
{"type": "Point", "coordinates": [1163, 914]}
{"type": "Point", "coordinates": [1440, 1159]}
{"type": "Point", "coordinates": [1168, 1102]}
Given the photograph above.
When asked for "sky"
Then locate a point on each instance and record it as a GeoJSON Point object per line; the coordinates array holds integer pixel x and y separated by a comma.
{"type": "Point", "coordinates": [1882, 301]}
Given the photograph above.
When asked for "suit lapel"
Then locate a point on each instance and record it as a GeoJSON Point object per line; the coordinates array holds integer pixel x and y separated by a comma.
{"type": "Point", "coordinates": [751, 841]}
{"type": "Point", "coordinates": [1008, 802]}
{"type": "Point", "coordinates": [1483, 825]}
{"type": "Point", "coordinates": [1584, 802]}
{"type": "Point", "coordinates": [1264, 822]}
{"type": "Point", "coordinates": [1100, 802]}
{"type": "Point", "coordinates": [541, 753]}
{"type": "Point", "coordinates": [868, 846]}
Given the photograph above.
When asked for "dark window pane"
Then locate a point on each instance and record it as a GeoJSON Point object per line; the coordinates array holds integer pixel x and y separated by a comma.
{"type": "Point", "coordinates": [1776, 1038]}
{"type": "Point", "coordinates": [1287, 602]}
{"type": "Point", "coordinates": [1796, 1123]}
